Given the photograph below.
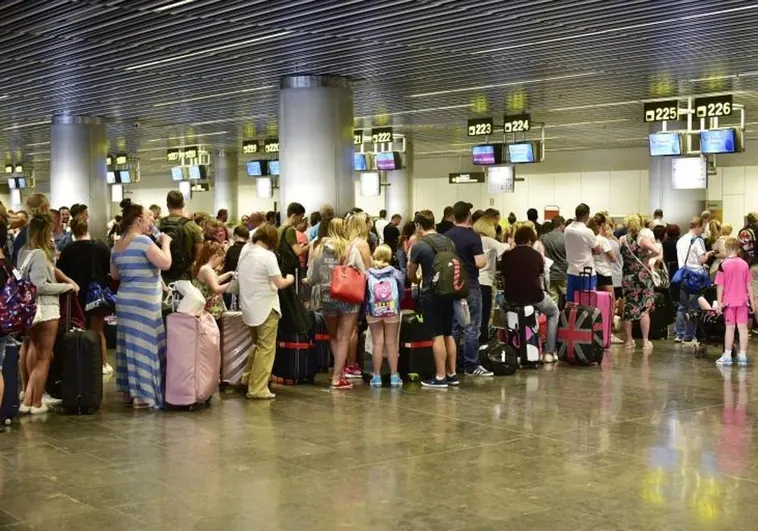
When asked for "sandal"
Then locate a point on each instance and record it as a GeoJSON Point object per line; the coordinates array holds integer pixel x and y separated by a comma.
{"type": "Point", "coordinates": [139, 404]}
{"type": "Point", "coordinates": [630, 344]}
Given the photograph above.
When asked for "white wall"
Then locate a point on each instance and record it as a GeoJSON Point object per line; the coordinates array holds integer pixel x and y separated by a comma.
{"type": "Point", "coordinates": [737, 187]}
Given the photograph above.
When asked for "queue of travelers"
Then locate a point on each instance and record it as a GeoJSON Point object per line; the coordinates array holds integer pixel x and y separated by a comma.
{"type": "Point", "coordinates": [258, 261]}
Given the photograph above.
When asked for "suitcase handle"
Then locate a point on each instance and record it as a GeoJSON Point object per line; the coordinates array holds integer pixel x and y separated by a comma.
{"type": "Point", "coordinates": [585, 280]}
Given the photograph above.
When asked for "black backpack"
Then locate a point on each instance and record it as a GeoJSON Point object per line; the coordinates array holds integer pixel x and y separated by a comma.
{"type": "Point", "coordinates": [181, 260]}
{"type": "Point", "coordinates": [449, 277]}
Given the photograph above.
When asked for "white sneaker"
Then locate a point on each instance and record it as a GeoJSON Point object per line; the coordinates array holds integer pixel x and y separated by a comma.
{"type": "Point", "coordinates": [480, 371]}
{"type": "Point", "coordinates": [548, 358]}
{"type": "Point", "coordinates": [48, 400]}
{"type": "Point", "coordinates": [725, 360]}
{"type": "Point", "coordinates": [39, 410]}
{"type": "Point", "coordinates": [107, 369]}
{"type": "Point", "coordinates": [615, 340]}
{"type": "Point", "coordinates": [24, 410]}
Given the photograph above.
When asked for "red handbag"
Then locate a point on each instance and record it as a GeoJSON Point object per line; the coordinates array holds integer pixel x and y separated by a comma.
{"type": "Point", "coordinates": [348, 285]}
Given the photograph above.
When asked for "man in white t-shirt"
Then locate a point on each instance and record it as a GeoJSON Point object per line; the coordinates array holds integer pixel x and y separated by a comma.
{"type": "Point", "coordinates": [380, 224]}
{"type": "Point", "coordinates": [690, 252]}
{"type": "Point", "coordinates": [581, 244]}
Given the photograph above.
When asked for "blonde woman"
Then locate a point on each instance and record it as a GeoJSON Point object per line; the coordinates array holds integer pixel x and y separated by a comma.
{"type": "Point", "coordinates": [358, 255]}
{"type": "Point", "coordinates": [36, 261]}
{"type": "Point", "coordinates": [638, 288]}
{"type": "Point", "coordinates": [493, 250]}
{"type": "Point", "coordinates": [718, 246]}
{"type": "Point", "coordinates": [340, 317]}
{"type": "Point", "coordinates": [383, 313]}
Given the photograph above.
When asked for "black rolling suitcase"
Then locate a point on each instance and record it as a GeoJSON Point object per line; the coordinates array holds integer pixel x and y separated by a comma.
{"type": "Point", "coordinates": [321, 343]}
{"type": "Point", "coordinates": [9, 407]}
{"type": "Point", "coordinates": [76, 373]}
{"type": "Point", "coordinates": [416, 355]}
{"type": "Point", "coordinates": [295, 360]}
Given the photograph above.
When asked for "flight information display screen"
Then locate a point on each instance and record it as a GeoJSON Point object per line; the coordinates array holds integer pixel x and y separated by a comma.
{"type": "Point", "coordinates": [485, 154]}
{"type": "Point", "coordinates": [273, 167]}
{"type": "Point", "coordinates": [665, 144]}
{"type": "Point", "coordinates": [718, 141]}
{"type": "Point", "coordinates": [359, 162]}
{"type": "Point", "coordinates": [177, 173]}
{"type": "Point", "coordinates": [254, 168]}
{"type": "Point", "coordinates": [521, 153]}
{"type": "Point", "coordinates": [387, 161]}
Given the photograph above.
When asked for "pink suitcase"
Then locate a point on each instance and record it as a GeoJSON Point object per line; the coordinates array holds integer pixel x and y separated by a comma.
{"type": "Point", "coordinates": [603, 301]}
{"type": "Point", "coordinates": [193, 358]}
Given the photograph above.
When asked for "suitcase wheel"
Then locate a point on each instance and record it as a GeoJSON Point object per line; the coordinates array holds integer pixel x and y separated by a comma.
{"type": "Point", "coordinates": [191, 407]}
{"type": "Point", "coordinates": [7, 422]}
{"type": "Point", "coordinates": [208, 402]}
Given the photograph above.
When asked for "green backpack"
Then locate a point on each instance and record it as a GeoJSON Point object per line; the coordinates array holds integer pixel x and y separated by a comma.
{"type": "Point", "coordinates": [449, 278]}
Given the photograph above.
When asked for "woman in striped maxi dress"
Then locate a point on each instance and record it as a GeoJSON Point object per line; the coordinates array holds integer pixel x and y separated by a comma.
{"type": "Point", "coordinates": [141, 345]}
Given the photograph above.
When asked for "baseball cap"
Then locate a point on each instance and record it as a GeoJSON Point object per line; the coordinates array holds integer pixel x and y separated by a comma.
{"type": "Point", "coordinates": [462, 210]}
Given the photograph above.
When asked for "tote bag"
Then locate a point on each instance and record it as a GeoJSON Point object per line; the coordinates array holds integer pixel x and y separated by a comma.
{"type": "Point", "coordinates": [348, 282]}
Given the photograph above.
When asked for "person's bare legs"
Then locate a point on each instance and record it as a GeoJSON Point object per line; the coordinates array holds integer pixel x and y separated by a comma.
{"type": "Point", "coordinates": [23, 353]}
{"type": "Point", "coordinates": [345, 328]}
{"type": "Point", "coordinates": [440, 356]}
{"type": "Point", "coordinates": [391, 339]}
{"type": "Point", "coordinates": [744, 338]}
{"type": "Point", "coordinates": [628, 331]}
{"type": "Point", "coordinates": [729, 337]}
{"type": "Point", "coordinates": [43, 338]}
{"type": "Point", "coordinates": [645, 329]}
{"type": "Point", "coordinates": [339, 364]}
{"type": "Point", "coordinates": [451, 350]}
{"type": "Point", "coordinates": [377, 337]}
{"type": "Point", "coordinates": [97, 325]}
{"type": "Point", "coordinates": [352, 350]}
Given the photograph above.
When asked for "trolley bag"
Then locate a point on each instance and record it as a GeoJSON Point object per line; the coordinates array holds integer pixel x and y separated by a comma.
{"type": "Point", "coordinates": [603, 301]}
{"type": "Point", "coordinates": [193, 359]}
{"type": "Point", "coordinates": [295, 361]}
{"type": "Point", "coordinates": [416, 355]}
{"type": "Point", "coordinates": [321, 343]}
{"type": "Point", "coordinates": [522, 333]}
{"type": "Point", "coordinates": [9, 407]}
{"type": "Point", "coordinates": [660, 319]}
{"type": "Point", "coordinates": [580, 335]}
{"type": "Point", "coordinates": [236, 346]}
{"type": "Point", "coordinates": [78, 361]}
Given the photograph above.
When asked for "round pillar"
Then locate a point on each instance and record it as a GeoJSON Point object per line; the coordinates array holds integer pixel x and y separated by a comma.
{"type": "Point", "coordinates": [316, 142]}
{"type": "Point", "coordinates": [225, 192]}
{"type": "Point", "coordinates": [78, 149]}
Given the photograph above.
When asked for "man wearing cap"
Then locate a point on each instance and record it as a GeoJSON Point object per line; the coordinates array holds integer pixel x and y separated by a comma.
{"type": "Point", "coordinates": [468, 247]}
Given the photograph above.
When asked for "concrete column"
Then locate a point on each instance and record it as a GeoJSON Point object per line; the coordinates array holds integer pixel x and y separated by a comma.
{"type": "Point", "coordinates": [78, 148]}
{"type": "Point", "coordinates": [399, 193]}
{"type": "Point", "coordinates": [225, 192]}
{"type": "Point", "coordinates": [679, 206]}
{"type": "Point", "coordinates": [316, 141]}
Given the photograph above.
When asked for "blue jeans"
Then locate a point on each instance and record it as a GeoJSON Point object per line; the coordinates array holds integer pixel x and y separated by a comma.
{"type": "Point", "coordinates": [470, 334]}
{"type": "Point", "coordinates": [550, 310]}
{"type": "Point", "coordinates": [687, 302]}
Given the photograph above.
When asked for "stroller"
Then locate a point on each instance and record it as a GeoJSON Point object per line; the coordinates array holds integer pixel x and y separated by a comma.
{"type": "Point", "coordinates": [710, 327]}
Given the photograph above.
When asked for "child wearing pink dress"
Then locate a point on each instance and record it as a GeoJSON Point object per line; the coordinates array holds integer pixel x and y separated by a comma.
{"type": "Point", "coordinates": [735, 297]}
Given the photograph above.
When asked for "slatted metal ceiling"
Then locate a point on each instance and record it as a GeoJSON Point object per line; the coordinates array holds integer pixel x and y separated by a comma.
{"type": "Point", "coordinates": [207, 70]}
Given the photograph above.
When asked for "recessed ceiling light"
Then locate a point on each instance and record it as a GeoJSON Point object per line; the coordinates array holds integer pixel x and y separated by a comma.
{"type": "Point", "coordinates": [585, 35]}
{"type": "Point", "coordinates": [509, 84]}
{"type": "Point", "coordinates": [210, 96]}
{"type": "Point", "coordinates": [224, 120]}
{"type": "Point", "coordinates": [416, 111]}
{"type": "Point", "coordinates": [209, 50]}
{"type": "Point", "coordinates": [30, 124]}
{"type": "Point", "coordinates": [38, 144]}
{"type": "Point", "coordinates": [190, 136]}
{"type": "Point", "coordinates": [173, 5]}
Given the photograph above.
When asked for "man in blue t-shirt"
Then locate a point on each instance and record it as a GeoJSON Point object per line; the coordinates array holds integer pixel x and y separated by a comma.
{"type": "Point", "coordinates": [468, 247]}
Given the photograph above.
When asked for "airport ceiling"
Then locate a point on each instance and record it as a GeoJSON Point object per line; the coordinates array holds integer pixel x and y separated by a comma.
{"type": "Point", "coordinates": [207, 71]}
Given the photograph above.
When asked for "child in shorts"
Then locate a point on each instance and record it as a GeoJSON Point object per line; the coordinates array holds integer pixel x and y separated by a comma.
{"type": "Point", "coordinates": [735, 297]}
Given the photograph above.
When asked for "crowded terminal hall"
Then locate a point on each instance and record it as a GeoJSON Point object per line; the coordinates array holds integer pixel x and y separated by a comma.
{"type": "Point", "coordinates": [527, 278]}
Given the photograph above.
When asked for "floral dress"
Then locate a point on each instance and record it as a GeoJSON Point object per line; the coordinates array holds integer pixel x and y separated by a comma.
{"type": "Point", "coordinates": [638, 287]}
{"type": "Point", "coordinates": [214, 303]}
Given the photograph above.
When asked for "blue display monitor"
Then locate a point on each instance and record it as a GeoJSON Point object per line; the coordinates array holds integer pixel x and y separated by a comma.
{"type": "Point", "coordinates": [718, 141]}
{"type": "Point", "coordinates": [522, 153]}
{"type": "Point", "coordinates": [110, 177]}
{"type": "Point", "coordinates": [388, 161]}
{"type": "Point", "coordinates": [255, 168]}
{"type": "Point", "coordinates": [197, 172]}
{"type": "Point", "coordinates": [123, 177]}
{"type": "Point", "coordinates": [359, 162]}
{"type": "Point", "coordinates": [177, 173]}
{"type": "Point", "coordinates": [665, 144]}
{"type": "Point", "coordinates": [273, 167]}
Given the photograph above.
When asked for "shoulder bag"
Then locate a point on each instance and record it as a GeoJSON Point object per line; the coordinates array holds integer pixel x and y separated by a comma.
{"type": "Point", "coordinates": [692, 281]}
{"type": "Point", "coordinates": [657, 281]}
{"type": "Point", "coordinates": [348, 283]}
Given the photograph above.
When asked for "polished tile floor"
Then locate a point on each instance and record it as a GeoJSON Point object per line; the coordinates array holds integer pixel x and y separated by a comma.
{"type": "Point", "coordinates": [646, 442]}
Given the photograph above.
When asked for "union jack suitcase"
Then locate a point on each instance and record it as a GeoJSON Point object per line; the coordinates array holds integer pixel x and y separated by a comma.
{"type": "Point", "coordinates": [580, 335]}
